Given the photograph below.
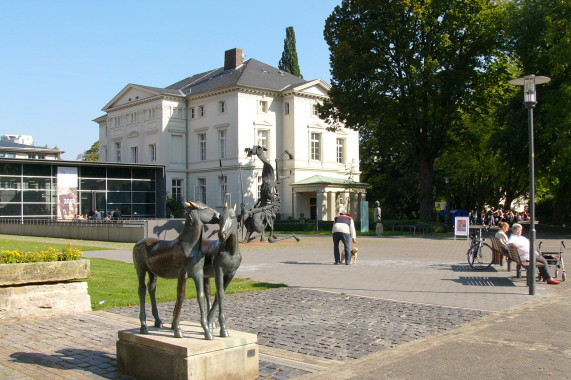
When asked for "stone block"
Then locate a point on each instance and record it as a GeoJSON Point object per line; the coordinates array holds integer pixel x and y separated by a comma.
{"type": "Point", "coordinates": [43, 272]}
{"type": "Point", "coordinates": [44, 300]}
{"type": "Point", "coordinates": [159, 355]}
{"type": "Point", "coordinates": [379, 229]}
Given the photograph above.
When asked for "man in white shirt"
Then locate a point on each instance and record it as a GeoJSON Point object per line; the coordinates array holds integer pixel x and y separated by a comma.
{"type": "Point", "coordinates": [522, 245]}
{"type": "Point", "coordinates": [343, 228]}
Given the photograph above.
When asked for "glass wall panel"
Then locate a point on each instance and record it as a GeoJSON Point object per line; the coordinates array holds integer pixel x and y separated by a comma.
{"type": "Point", "coordinates": [143, 185]}
{"type": "Point", "coordinates": [118, 185]}
{"type": "Point", "coordinates": [140, 210]}
{"type": "Point", "coordinates": [36, 195]}
{"type": "Point", "coordinates": [143, 173]}
{"type": "Point", "coordinates": [37, 183]}
{"type": "Point", "coordinates": [118, 173]}
{"type": "Point", "coordinates": [10, 182]}
{"type": "Point", "coordinates": [37, 170]}
{"type": "Point", "coordinates": [92, 184]}
{"type": "Point", "coordinates": [11, 169]}
{"type": "Point", "coordinates": [119, 197]}
{"type": "Point", "coordinates": [10, 209]}
{"type": "Point", "coordinates": [143, 197]}
{"type": "Point", "coordinates": [10, 195]}
{"type": "Point", "coordinates": [92, 172]}
{"type": "Point", "coordinates": [36, 209]}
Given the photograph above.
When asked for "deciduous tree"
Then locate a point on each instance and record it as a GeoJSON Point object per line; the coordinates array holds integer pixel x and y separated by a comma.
{"type": "Point", "coordinates": [92, 154]}
{"type": "Point", "coordinates": [405, 69]}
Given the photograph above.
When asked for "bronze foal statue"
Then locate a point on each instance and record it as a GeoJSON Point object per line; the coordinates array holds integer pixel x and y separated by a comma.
{"type": "Point", "coordinates": [180, 258]}
{"type": "Point", "coordinates": [222, 261]}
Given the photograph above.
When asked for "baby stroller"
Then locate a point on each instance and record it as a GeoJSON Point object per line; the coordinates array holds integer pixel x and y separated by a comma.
{"type": "Point", "coordinates": [555, 259]}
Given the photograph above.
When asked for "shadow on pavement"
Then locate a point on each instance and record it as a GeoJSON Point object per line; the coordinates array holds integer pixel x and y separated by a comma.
{"type": "Point", "coordinates": [96, 362]}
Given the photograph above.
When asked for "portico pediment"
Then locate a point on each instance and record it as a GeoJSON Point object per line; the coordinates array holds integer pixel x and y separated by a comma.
{"type": "Point", "coordinates": [131, 93]}
{"type": "Point", "coordinates": [316, 88]}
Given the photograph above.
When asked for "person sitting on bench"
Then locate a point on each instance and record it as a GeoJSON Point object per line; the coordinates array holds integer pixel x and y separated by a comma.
{"type": "Point", "coordinates": [522, 245]}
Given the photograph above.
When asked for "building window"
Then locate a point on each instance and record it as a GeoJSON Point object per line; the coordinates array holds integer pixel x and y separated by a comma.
{"type": "Point", "coordinates": [153, 152]}
{"type": "Point", "coordinates": [32, 156]}
{"type": "Point", "coordinates": [223, 182]}
{"type": "Point", "coordinates": [286, 111]}
{"type": "Point", "coordinates": [202, 146]}
{"type": "Point", "coordinates": [316, 146]}
{"type": "Point", "coordinates": [176, 189]}
{"type": "Point", "coordinates": [192, 113]}
{"type": "Point", "coordinates": [221, 106]}
{"type": "Point", "coordinates": [152, 113]}
{"type": "Point", "coordinates": [117, 152]}
{"type": "Point", "coordinates": [41, 156]}
{"type": "Point", "coordinates": [202, 190]}
{"type": "Point", "coordinates": [133, 116]}
{"type": "Point", "coordinates": [222, 143]}
{"type": "Point", "coordinates": [201, 112]}
{"type": "Point", "coordinates": [263, 137]}
{"type": "Point", "coordinates": [263, 106]}
{"type": "Point", "coordinates": [314, 110]}
{"type": "Point", "coordinates": [340, 150]}
{"type": "Point", "coordinates": [134, 154]}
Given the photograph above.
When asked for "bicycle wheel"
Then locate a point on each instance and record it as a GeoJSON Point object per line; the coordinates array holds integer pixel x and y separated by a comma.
{"type": "Point", "coordinates": [480, 257]}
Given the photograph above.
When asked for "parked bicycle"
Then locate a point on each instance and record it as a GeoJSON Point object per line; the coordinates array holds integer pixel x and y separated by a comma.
{"type": "Point", "coordinates": [480, 255]}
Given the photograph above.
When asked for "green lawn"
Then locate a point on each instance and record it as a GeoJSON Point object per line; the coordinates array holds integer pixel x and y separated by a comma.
{"type": "Point", "coordinates": [26, 246]}
{"type": "Point", "coordinates": [114, 283]}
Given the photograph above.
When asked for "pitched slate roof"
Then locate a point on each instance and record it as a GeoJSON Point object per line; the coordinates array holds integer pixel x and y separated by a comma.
{"type": "Point", "coordinates": [251, 73]}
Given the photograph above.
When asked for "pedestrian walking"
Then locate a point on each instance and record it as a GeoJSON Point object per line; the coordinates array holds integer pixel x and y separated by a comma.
{"type": "Point", "coordinates": [343, 230]}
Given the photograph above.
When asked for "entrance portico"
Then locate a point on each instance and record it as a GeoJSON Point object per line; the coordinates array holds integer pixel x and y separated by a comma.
{"type": "Point", "coordinates": [320, 197]}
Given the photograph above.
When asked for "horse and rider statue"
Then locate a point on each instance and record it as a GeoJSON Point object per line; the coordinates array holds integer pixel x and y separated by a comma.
{"type": "Point", "coordinates": [264, 212]}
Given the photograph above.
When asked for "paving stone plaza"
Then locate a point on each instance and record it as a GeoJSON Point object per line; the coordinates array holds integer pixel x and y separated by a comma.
{"type": "Point", "coordinates": [410, 307]}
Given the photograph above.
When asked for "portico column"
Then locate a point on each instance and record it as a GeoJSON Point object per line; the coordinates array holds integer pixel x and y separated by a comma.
{"type": "Point", "coordinates": [319, 203]}
{"type": "Point", "coordinates": [330, 205]}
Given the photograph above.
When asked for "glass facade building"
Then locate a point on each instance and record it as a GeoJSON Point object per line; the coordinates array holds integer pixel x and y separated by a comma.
{"type": "Point", "coordinates": [61, 190]}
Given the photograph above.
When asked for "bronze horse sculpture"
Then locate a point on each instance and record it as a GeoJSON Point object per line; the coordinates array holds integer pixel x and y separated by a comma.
{"type": "Point", "coordinates": [180, 258]}
{"type": "Point", "coordinates": [221, 262]}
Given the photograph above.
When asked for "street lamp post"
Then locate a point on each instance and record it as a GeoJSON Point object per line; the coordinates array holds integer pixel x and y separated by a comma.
{"type": "Point", "coordinates": [530, 100]}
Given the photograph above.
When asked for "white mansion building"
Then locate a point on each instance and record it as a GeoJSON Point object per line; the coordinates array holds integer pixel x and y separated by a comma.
{"type": "Point", "coordinates": [199, 128]}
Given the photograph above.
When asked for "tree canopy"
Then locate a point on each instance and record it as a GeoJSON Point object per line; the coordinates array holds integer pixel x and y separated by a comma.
{"type": "Point", "coordinates": [92, 154]}
{"type": "Point", "coordinates": [404, 70]}
{"type": "Point", "coordinates": [288, 62]}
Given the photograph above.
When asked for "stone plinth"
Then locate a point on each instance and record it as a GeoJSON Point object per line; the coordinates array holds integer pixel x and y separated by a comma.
{"type": "Point", "coordinates": [43, 272]}
{"type": "Point", "coordinates": [159, 355]}
{"type": "Point", "coordinates": [44, 300]}
{"type": "Point", "coordinates": [379, 229]}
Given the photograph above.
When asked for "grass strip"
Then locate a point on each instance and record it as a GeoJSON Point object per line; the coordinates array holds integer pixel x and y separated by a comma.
{"type": "Point", "coordinates": [114, 284]}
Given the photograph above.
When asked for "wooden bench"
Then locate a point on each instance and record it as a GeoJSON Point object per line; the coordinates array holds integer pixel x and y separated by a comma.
{"type": "Point", "coordinates": [501, 252]}
{"type": "Point", "coordinates": [514, 256]}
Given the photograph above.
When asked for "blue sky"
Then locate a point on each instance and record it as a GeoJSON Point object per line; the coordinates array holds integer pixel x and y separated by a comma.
{"type": "Point", "coordinates": [62, 61]}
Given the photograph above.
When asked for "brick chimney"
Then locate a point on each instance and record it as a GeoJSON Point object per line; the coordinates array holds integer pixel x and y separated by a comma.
{"type": "Point", "coordinates": [233, 58]}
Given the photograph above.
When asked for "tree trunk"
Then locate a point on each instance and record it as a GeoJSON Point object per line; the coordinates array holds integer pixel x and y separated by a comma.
{"type": "Point", "coordinates": [561, 205]}
{"type": "Point", "coordinates": [426, 169]}
{"type": "Point", "coordinates": [509, 200]}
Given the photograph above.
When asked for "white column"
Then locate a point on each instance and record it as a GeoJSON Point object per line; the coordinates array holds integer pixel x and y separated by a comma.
{"type": "Point", "coordinates": [320, 205]}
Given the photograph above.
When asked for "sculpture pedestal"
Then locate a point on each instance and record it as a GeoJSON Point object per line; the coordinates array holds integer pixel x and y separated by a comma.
{"type": "Point", "coordinates": [379, 227]}
{"type": "Point", "coordinates": [159, 355]}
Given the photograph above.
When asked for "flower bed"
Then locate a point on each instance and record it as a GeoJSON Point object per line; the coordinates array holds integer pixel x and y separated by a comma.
{"type": "Point", "coordinates": [51, 254]}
